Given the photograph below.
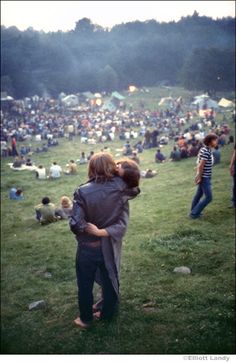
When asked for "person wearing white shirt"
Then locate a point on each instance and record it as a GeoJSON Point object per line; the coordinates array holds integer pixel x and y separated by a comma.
{"type": "Point", "coordinates": [55, 171]}
{"type": "Point", "coordinates": [41, 173]}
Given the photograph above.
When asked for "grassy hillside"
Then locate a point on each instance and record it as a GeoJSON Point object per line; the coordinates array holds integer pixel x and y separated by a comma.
{"type": "Point", "coordinates": [161, 312]}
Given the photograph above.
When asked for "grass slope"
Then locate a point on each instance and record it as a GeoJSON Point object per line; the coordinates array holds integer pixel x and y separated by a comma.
{"type": "Point", "coordinates": [160, 312]}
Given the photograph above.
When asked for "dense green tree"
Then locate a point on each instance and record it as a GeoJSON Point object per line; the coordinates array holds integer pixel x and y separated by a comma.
{"type": "Point", "coordinates": [107, 79]}
{"type": "Point", "coordinates": [210, 70]}
{"type": "Point", "coordinates": [196, 51]}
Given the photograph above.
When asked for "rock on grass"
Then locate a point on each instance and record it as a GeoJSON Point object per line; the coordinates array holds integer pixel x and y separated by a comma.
{"type": "Point", "coordinates": [40, 304]}
{"type": "Point", "coordinates": [182, 270]}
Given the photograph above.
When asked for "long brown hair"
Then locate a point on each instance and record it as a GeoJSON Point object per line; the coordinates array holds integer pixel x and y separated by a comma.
{"type": "Point", "coordinates": [102, 167]}
{"type": "Point", "coordinates": [131, 172]}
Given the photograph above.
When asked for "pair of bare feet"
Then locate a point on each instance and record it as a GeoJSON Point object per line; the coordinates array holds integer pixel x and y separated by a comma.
{"type": "Point", "coordinates": [96, 316]}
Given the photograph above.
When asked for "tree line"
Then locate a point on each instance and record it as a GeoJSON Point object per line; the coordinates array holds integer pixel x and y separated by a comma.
{"type": "Point", "coordinates": [196, 52]}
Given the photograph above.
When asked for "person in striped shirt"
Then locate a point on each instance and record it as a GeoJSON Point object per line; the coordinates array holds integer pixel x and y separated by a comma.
{"type": "Point", "coordinates": [203, 176]}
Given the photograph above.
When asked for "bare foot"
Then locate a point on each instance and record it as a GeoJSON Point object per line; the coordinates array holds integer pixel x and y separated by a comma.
{"type": "Point", "coordinates": [97, 306]}
{"type": "Point", "coordinates": [97, 315]}
{"type": "Point", "coordinates": [81, 324]}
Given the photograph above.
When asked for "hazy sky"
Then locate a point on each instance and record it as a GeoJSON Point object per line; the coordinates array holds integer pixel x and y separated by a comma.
{"type": "Point", "coordinates": [62, 15]}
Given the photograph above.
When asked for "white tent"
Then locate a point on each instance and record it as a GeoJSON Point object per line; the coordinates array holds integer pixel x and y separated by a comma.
{"type": "Point", "coordinates": [166, 100]}
{"type": "Point", "coordinates": [202, 96]}
{"type": "Point", "coordinates": [225, 103]}
{"type": "Point", "coordinates": [206, 103]}
{"type": "Point", "coordinates": [70, 100]}
{"type": "Point", "coordinates": [97, 95]}
{"type": "Point", "coordinates": [7, 98]}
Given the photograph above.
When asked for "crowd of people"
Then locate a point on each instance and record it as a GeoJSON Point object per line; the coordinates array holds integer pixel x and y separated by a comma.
{"type": "Point", "coordinates": [99, 231]}
{"type": "Point", "coordinates": [47, 120]}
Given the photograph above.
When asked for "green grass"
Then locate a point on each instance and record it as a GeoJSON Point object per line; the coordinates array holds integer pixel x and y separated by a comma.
{"type": "Point", "coordinates": [160, 312]}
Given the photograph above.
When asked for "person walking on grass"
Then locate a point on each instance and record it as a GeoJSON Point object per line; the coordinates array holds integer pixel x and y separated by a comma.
{"type": "Point", "coordinates": [203, 176]}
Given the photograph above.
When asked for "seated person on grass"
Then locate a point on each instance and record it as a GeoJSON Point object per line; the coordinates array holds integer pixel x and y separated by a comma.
{"type": "Point", "coordinates": [16, 194]}
{"type": "Point", "coordinates": [134, 157]}
{"type": "Point", "coordinates": [65, 209]}
{"type": "Point", "coordinates": [55, 171]}
{"type": "Point", "coordinates": [46, 212]}
{"type": "Point", "coordinates": [17, 163]}
{"type": "Point", "coordinates": [83, 159]}
{"type": "Point", "coordinates": [148, 173]}
{"type": "Point", "coordinates": [71, 168]}
{"type": "Point", "coordinates": [29, 162]}
{"type": "Point", "coordinates": [175, 154]}
{"type": "Point", "coordinates": [159, 157]}
{"type": "Point", "coordinates": [41, 173]}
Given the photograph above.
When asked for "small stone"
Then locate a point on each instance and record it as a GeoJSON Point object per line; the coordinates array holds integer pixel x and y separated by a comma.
{"type": "Point", "coordinates": [182, 269]}
{"type": "Point", "coordinates": [37, 305]}
{"type": "Point", "coordinates": [48, 275]}
{"type": "Point", "coordinates": [148, 305]}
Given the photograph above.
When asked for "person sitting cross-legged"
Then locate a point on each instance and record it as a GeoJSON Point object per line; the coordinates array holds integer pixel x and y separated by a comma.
{"type": "Point", "coordinates": [71, 168]}
{"type": "Point", "coordinates": [55, 171]}
{"type": "Point", "coordinates": [45, 212]}
{"type": "Point", "coordinates": [41, 173]}
{"type": "Point", "coordinates": [175, 154]}
{"type": "Point", "coordinates": [159, 157]}
{"type": "Point", "coordinates": [16, 194]}
{"type": "Point", "coordinates": [65, 210]}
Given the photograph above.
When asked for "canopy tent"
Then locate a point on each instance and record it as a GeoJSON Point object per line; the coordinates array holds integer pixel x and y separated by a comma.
{"type": "Point", "coordinates": [88, 95]}
{"type": "Point", "coordinates": [70, 100]}
{"type": "Point", "coordinates": [109, 106]}
{"type": "Point", "coordinates": [205, 103]}
{"type": "Point", "coordinates": [118, 96]}
{"type": "Point", "coordinates": [202, 96]}
{"type": "Point", "coordinates": [225, 103]}
{"type": "Point", "coordinates": [97, 95]}
{"type": "Point", "coordinates": [61, 96]}
{"type": "Point", "coordinates": [5, 97]}
{"type": "Point", "coordinates": [166, 100]}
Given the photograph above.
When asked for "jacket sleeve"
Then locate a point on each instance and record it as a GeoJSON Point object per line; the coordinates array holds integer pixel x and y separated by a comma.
{"type": "Point", "coordinates": [118, 229]}
{"type": "Point", "coordinates": [77, 219]}
{"type": "Point", "coordinates": [130, 193]}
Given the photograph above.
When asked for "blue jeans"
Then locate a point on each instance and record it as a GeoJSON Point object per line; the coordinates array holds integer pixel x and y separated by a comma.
{"type": "Point", "coordinates": [234, 191]}
{"type": "Point", "coordinates": [88, 260]}
{"type": "Point", "coordinates": [38, 215]}
{"type": "Point", "coordinates": [204, 188]}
